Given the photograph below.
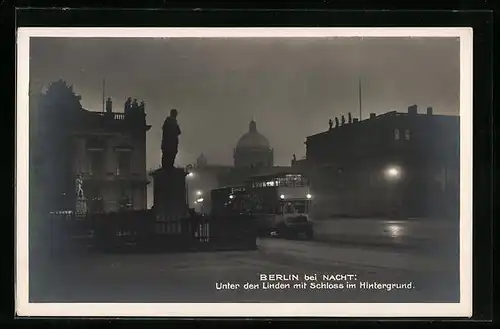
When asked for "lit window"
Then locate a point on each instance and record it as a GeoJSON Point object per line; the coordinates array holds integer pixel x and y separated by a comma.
{"type": "Point", "coordinates": [396, 134]}
{"type": "Point", "coordinates": [407, 134]}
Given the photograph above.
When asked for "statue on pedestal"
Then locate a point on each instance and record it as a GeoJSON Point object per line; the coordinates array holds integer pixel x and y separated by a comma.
{"type": "Point", "coordinates": [170, 140]}
{"type": "Point", "coordinates": [81, 202]}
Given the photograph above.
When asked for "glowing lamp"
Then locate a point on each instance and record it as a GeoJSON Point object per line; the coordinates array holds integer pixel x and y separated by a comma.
{"type": "Point", "coordinates": [393, 172]}
{"type": "Point", "coordinates": [282, 197]}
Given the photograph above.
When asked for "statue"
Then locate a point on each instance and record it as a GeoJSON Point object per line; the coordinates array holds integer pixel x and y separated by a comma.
{"type": "Point", "coordinates": [79, 187]}
{"type": "Point", "coordinates": [142, 107]}
{"type": "Point", "coordinates": [342, 120]}
{"type": "Point", "coordinates": [170, 140]}
{"type": "Point", "coordinates": [330, 124]}
{"type": "Point", "coordinates": [336, 122]}
{"type": "Point", "coordinates": [128, 105]}
{"type": "Point", "coordinates": [81, 202]}
{"type": "Point", "coordinates": [349, 117]}
{"type": "Point", "coordinates": [109, 105]}
{"type": "Point", "coordinates": [135, 105]}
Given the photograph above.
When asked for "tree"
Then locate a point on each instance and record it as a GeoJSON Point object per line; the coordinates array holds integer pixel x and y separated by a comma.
{"type": "Point", "coordinates": [53, 145]}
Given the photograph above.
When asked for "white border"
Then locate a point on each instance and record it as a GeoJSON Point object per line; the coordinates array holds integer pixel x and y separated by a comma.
{"type": "Point", "coordinates": [462, 309]}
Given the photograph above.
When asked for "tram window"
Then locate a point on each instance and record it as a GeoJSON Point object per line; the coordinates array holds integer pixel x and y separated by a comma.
{"type": "Point", "coordinates": [301, 208]}
{"type": "Point", "coordinates": [289, 209]}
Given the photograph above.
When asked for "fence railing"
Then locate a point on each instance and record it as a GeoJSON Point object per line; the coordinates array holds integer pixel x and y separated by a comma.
{"type": "Point", "coordinates": [143, 231]}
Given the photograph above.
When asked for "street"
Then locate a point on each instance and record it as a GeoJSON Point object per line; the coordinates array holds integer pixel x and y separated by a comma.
{"type": "Point", "coordinates": [192, 277]}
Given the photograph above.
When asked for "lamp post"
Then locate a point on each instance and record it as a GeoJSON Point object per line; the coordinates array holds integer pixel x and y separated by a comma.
{"type": "Point", "coordinates": [200, 202]}
{"type": "Point", "coordinates": [189, 176]}
{"type": "Point", "coordinates": [393, 175]}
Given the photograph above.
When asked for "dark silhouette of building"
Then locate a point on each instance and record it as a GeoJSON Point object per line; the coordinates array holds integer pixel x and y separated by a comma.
{"type": "Point", "coordinates": [396, 163]}
{"type": "Point", "coordinates": [253, 150]}
{"type": "Point", "coordinates": [253, 155]}
{"type": "Point", "coordinates": [106, 149]}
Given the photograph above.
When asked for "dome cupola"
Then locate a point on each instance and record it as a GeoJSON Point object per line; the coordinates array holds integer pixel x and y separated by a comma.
{"type": "Point", "coordinates": [253, 139]}
{"type": "Point", "coordinates": [253, 149]}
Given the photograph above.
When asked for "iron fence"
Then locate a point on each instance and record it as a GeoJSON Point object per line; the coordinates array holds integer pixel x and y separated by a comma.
{"type": "Point", "coordinates": [143, 231]}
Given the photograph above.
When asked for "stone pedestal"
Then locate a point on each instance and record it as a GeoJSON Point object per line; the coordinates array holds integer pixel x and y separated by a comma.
{"type": "Point", "coordinates": [81, 207]}
{"type": "Point", "coordinates": [169, 193]}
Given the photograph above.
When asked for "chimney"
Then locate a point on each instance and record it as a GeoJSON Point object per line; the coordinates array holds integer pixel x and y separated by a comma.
{"type": "Point", "coordinates": [412, 109]}
{"type": "Point", "coordinates": [429, 110]}
{"type": "Point", "coordinates": [109, 105]}
{"type": "Point", "coordinates": [372, 115]}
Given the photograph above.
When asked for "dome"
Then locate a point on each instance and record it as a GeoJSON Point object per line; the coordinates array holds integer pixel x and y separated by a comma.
{"type": "Point", "coordinates": [253, 139]}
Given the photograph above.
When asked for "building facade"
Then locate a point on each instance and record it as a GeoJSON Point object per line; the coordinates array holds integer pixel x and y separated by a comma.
{"type": "Point", "coordinates": [104, 152]}
{"type": "Point", "coordinates": [404, 164]}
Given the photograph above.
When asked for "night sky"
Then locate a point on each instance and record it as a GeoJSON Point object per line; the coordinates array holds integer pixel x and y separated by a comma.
{"type": "Point", "coordinates": [290, 86]}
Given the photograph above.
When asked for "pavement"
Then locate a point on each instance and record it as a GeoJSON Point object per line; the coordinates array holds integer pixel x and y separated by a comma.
{"type": "Point", "coordinates": [430, 235]}
{"type": "Point", "coordinates": [192, 277]}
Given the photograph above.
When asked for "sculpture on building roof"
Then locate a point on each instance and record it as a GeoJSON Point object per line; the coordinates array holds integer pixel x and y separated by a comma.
{"type": "Point", "coordinates": [128, 105]}
{"type": "Point", "coordinates": [330, 124]}
{"type": "Point", "coordinates": [109, 105]}
{"type": "Point", "coordinates": [135, 104]}
{"type": "Point", "coordinates": [336, 122]}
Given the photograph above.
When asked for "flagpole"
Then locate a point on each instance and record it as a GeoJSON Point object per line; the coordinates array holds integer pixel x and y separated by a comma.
{"type": "Point", "coordinates": [360, 104]}
{"type": "Point", "coordinates": [103, 95]}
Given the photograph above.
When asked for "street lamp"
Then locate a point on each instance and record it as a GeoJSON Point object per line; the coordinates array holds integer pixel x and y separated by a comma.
{"type": "Point", "coordinates": [199, 193]}
{"type": "Point", "coordinates": [189, 175]}
{"type": "Point", "coordinates": [392, 174]}
{"type": "Point", "coordinates": [200, 202]}
{"type": "Point", "coordinates": [309, 196]}
{"type": "Point", "coordinates": [282, 197]}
